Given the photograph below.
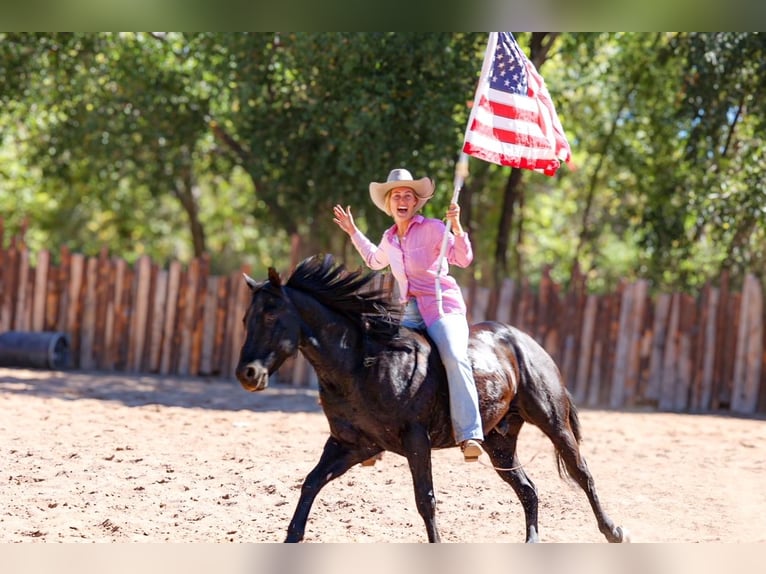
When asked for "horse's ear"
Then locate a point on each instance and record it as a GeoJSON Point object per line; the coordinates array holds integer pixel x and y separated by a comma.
{"type": "Point", "coordinates": [274, 278]}
{"type": "Point", "coordinates": [252, 283]}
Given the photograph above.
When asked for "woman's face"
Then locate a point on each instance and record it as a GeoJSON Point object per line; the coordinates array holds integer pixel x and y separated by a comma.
{"type": "Point", "coordinates": [402, 202]}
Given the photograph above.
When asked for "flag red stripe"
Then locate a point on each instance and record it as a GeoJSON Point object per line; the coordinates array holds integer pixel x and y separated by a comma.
{"type": "Point", "coordinates": [508, 110]}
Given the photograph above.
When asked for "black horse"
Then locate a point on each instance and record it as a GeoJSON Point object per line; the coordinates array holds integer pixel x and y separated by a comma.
{"type": "Point", "coordinates": [383, 387]}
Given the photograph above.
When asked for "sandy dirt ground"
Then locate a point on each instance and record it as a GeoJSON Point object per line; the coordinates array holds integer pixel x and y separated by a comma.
{"type": "Point", "coordinates": [114, 458]}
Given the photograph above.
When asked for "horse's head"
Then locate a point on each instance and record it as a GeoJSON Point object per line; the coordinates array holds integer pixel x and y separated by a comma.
{"type": "Point", "coordinates": [272, 328]}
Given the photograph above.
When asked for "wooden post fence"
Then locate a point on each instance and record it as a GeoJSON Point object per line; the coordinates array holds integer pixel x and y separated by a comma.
{"type": "Point", "coordinates": [669, 351]}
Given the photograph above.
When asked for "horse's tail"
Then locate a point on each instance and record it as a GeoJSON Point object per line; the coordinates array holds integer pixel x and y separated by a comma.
{"type": "Point", "coordinates": [574, 425]}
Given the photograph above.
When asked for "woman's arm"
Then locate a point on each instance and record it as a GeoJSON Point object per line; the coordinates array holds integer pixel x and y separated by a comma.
{"type": "Point", "coordinates": [374, 257]}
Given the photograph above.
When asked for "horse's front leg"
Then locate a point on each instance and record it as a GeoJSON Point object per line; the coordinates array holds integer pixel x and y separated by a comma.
{"type": "Point", "coordinates": [335, 460]}
{"type": "Point", "coordinates": [417, 446]}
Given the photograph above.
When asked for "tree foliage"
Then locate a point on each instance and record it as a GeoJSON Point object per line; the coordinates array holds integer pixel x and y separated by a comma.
{"type": "Point", "coordinates": [174, 144]}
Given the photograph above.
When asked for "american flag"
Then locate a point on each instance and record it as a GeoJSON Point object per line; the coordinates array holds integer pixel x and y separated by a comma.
{"type": "Point", "coordinates": [513, 121]}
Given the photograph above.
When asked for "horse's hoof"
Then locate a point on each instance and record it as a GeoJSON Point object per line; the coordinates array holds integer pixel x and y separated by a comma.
{"type": "Point", "coordinates": [532, 536]}
{"type": "Point", "coordinates": [533, 540]}
{"type": "Point", "coordinates": [293, 537]}
{"type": "Point", "coordinates": [624, 535]}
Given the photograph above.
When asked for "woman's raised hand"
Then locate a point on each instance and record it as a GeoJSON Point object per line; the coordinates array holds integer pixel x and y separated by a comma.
{"type": "Point", "coordinates": [344, 219]}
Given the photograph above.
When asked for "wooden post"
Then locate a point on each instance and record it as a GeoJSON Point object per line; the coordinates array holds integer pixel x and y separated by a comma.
{"type": "Point", "coordinates": [6, 288]}
{"type": "Point", "coordinates": [505, 302]}
{"type": "Point", "coordinates": [77, 268]}
{"type": "Point", "coordinates": [160, 308]}
{"type": "Point", "coordinates": [52, 298]}
{"type": "Point", "coordinates": [632, 372]}
{"type": "Point", "coordinates": [624, 339]}
{"type": "Point", "coordinates": [62, 286]}
{"type": "Point", "coordinates": [209, 326]}
{"type": "Point", "coordinates": [41, 287]}
{"type": "Point", "coordinates": [142, 283]}
{"type": "Point", "coordinates": [479, 306]}
{"type": "Point", "coordinates": [684, 371]}
{"type": "Point", "coordinates": [169, 324]}
{"type": "Point", "coordinates": [670, 357]}
{"type": "Point", "coordinates": [572, 313]}
{"type": "Point", "coordinates": [88, 323]}
{"type": "Point", "coordinates": [657, 356]}
{"type": "Point", "coordinates": [726, 335]}
{"type": "Point", "coordinates": [198, 313]}
{"type": "Point", "coordinates": [21, 316]}
{"type": "Point", "coordinates": [104, 312]}
{"type": "Point", "coordinates": [220, 325]}
{"type": "Point", "coordinates": [146, 354]}
{"type": "Point", "coordinates": [747, 368]}
{"type": "Point", "coordinates": [594, 386]}
{"type": "Point", "coordinates": [761, 408]}
{"type": "Point", "coordinates": [586, 348]}
{"type": "Point", "coordinates": [233, 323]}
{"type": "Point", "coordinates": [118, 349]}
{"type": "Point", "coordinates": [709, 350]}
{"type": "Point", "coordinates": [186, 318]}
{"type": "Point", "coordinates": [609, 336]}
{"type": "Point", "coordinates": [9, 281]}
{"type": "Point", "coordinates": [568, 360]}
{"type": "Point", "coordinates": [526, 311]}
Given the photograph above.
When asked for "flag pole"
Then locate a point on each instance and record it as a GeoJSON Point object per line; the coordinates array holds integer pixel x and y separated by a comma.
{"type": "Point", "coordinates": [461, 170]}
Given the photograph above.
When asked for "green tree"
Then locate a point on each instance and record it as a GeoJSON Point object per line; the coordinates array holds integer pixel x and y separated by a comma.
{"type": "Point", "coordinates": [116, 123]}
{"type": "Point", "coordinates": [314, 117]}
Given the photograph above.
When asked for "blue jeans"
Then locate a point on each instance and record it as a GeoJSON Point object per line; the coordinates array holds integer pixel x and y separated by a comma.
{"type": "Point", "coordinates": [450, 334]}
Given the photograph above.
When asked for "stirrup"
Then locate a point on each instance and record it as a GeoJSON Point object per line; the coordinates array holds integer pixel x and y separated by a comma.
{"type": "Point", "coordinates": [371, 461]}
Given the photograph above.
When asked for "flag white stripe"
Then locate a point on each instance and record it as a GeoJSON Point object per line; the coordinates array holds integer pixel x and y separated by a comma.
{"type": "Point", "coordinates": [493, 145]}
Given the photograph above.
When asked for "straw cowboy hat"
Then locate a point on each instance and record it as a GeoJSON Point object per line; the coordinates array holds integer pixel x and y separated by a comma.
{"type": "Point", "coordinates": [423, 188]}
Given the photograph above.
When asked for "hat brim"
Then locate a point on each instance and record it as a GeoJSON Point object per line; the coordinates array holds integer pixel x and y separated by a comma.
{"type": "Point", "coordinates": [423, 188]}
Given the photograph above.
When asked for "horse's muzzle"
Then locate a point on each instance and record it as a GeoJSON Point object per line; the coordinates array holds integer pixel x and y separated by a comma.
{"type": "Point", "coordinates": [253, 376]}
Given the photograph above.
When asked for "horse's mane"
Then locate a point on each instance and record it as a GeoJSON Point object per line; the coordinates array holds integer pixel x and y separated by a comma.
{"type": "Point", "coordinates": [346, 292]}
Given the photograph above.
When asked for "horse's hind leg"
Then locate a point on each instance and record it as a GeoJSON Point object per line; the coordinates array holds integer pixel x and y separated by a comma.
{"type": "Point", "coordinates": [578, 470]}
{"type": "Point", "coordinates": [335, 460]}
{"type": "Point", "coordinates": [501, 449]}
{"type": "Point", "coordinates": [564, 436]}
{"type": "Point", "coordinates": [417, 448]}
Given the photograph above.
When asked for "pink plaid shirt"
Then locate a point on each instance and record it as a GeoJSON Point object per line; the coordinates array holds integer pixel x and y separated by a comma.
{"type": "Point", "coordinates": [414, 261]}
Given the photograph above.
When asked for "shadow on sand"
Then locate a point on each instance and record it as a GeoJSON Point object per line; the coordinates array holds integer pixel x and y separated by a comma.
{"type": "Point", "coordinates": [136, 390]}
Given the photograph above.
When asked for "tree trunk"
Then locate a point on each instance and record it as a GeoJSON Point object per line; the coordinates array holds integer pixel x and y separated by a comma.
{"type": "Point", "coordinates": [184, 191]}
{"type": "Point", "coordinates": [510, 199]}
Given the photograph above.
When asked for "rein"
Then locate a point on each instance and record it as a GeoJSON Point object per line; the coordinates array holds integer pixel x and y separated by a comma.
{"type": "Point", "coordinates": [518, 467]}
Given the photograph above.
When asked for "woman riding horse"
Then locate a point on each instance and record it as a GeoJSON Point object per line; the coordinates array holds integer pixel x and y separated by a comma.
{"type": "Point", "coordinates": [411, 247]}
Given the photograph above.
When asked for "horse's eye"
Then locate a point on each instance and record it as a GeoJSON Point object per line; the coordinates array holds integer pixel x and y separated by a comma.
{"type": "Point", "coordinates": [269, 319]}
